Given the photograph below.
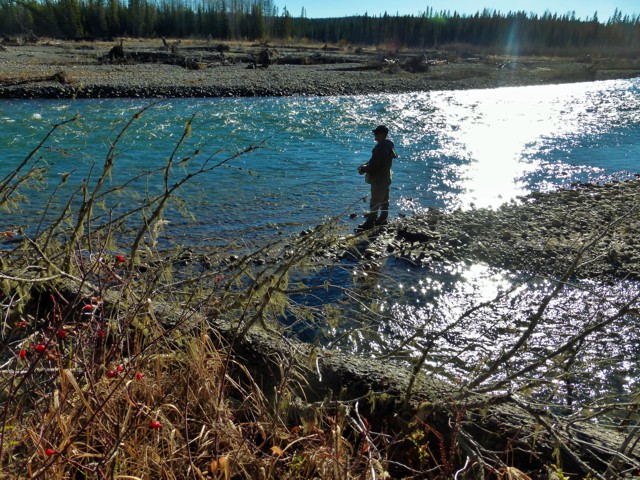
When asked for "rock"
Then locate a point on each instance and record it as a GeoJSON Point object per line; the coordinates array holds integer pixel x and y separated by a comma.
{"type": "Point", "coordinates": [535, 236]}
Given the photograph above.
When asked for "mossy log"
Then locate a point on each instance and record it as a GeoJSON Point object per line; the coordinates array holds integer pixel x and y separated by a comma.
{"type": "Point", "coordinates": [497, 430]}
{"type": "Point", "coordinates": [482, 426]}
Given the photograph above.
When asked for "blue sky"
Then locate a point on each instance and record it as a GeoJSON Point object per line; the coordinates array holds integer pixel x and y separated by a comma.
{"type": "Point", "coordinates": [340, 8]}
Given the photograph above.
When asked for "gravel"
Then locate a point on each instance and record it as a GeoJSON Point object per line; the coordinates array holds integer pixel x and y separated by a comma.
{"type": "Point", "coordinates": [540, 234]}
{"type": "Point", "coordinates": [68, 70]}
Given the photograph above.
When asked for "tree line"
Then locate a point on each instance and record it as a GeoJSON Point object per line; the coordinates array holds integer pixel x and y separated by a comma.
{"type": "Point", "coordinates": [261, 20]}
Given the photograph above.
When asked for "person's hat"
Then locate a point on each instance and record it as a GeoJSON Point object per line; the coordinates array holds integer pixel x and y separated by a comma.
{"type": "Point", "coordinates": [380, 129]}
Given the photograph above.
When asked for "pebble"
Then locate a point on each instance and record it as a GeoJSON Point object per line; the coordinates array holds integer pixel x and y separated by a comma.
{"type": "Point", "coordinates": [540, 239]}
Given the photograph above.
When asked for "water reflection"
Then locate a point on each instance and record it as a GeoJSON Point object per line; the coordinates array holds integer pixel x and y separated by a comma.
{"type": "Point", "coordinates": [466, 316]}
{"type": "Point", "coordinates": [501, 137]}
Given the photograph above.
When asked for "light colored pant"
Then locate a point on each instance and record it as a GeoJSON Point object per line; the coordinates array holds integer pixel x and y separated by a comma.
{"type": "Point", "coordinates": [379, 202]}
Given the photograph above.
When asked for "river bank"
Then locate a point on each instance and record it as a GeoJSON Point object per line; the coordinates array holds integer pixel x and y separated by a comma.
{"type": "Point", "coordinates": [157, 68]}
{"type": "Point", "coordinates": [540, 234]}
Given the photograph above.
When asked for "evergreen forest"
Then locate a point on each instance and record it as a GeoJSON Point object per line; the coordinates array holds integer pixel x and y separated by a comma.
{"type": "Point", "coordinates": [261, 20]}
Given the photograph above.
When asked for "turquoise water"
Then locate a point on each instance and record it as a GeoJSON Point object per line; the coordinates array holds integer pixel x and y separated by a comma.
{"type": "Point", "coordinates": [458, 149]}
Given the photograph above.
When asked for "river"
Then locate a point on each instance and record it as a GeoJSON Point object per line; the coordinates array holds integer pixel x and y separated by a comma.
{"type": "Point", "coordinates": [457, 149]}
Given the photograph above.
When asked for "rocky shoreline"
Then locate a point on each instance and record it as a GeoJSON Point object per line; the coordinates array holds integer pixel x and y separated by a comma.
{"type": "Point", "coordinates": [151, 69]}
{"type": "Point", "coordinates": [540, 234]}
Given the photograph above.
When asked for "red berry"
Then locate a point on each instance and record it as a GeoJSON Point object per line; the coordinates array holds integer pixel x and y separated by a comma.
{"type": "Point", "coordinates": [88, 308]}
{"type": "Point", "coordinates": [101, 334]}
{"type": "Point", "coordinates": [23, 353]}
{"type": "Point", "coordinates": [62, 334]}
{"type": "Point", "coordinates": [156, 425]}
{"type": "Point", "coordinates": [49, 452]}
{"type": "Point", "coordinates": [40, 348]}
{"type": "Point", "coordinates": [139, 376]}
{"type": "Point", "coordinates": [120, 259]}
{"type": "Point", "coordinates": [120, 368]}
{"type": "Point", "coordinates": [111, 374]}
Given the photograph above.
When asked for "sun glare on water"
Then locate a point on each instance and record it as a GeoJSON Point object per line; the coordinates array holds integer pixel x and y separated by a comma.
{"type": "Point", "coordinates": [498, 131]}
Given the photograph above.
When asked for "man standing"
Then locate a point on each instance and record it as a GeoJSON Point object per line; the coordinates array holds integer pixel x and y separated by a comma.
{"type": "Point", "coordinates": [378, 174]}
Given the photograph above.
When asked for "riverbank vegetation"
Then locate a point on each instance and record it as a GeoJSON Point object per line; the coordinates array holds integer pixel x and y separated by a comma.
{"type": "Point", "coordinates": [514, 32]}
{"type": "Point", "coordinates": [123, 359]}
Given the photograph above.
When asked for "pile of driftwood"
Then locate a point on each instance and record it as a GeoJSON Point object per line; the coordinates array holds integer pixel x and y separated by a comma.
{"type": "Point", "coordinates": [169, 55]}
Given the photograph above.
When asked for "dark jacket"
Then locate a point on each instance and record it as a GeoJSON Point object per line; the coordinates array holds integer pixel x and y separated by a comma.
{"type": "Point", "coordinates": [378, 169]}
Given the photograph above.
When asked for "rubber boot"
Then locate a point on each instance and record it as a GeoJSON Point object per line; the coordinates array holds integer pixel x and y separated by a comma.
{"type": "Point", "coordinates": [368, 224]}
{"type": "Point", "coordinates": [382, 219]}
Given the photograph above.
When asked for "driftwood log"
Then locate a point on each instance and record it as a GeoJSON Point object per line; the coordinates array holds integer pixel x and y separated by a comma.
{"type": "Point", "coordinates": [483, 426]}
{"type": "Point", "coordinates": [117, 54]}
{"type": "Point", "coordinates": [497, 431]}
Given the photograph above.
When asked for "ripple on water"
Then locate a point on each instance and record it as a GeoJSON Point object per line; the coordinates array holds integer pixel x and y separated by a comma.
{"type": "Point", "coordinates": [457, 149]}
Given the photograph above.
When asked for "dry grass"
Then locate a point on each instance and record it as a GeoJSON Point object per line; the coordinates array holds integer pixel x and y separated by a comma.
{"type": "Point", "coordinates": [111, 369]}
{"type": "Point", "coordinates": [160, 403]}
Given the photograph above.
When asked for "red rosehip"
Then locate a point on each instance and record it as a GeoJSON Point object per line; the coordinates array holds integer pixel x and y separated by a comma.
{"type": "Point", "coordinates": [62, 334]}
{"type": "Point", "coordinates": [49, 452]}
{"type": "Point", "coordinates": [88, 307]}
{"type": "Point", "coordinates": [139, 376]}
{"type": "Point", "coordinates": [112, 374]}
{"type": "Point", "coordinates": [155, 424]}
{"type": "Point", "coordinates": [120, 259]}
{"type": "Point", "coordinates": [40, 348]}
{"type": "Point", "coordinates": [120, 368]}
{"type": "Point", "coordinates": [23, 353]}
{"type": "Point", "coordinates": [100, 333]}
